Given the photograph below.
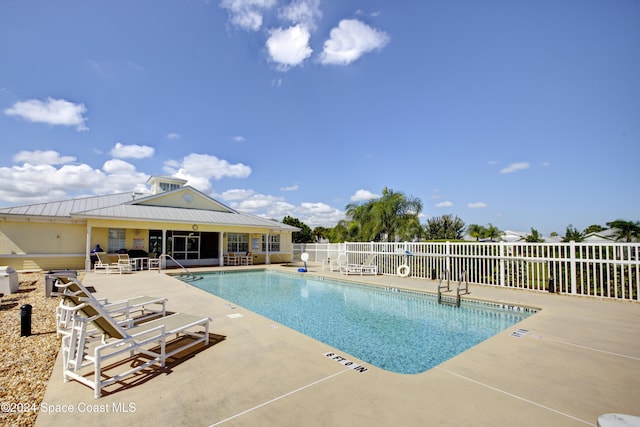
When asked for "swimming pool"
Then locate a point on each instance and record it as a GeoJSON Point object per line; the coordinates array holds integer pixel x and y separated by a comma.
{"type": "Point", "coordinates": [399, 331]}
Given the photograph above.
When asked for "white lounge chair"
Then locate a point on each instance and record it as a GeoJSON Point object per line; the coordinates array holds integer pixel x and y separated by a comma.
{"type": "Point", "coordinates": [142, 307]}
{"type": "Point", "coordinates": [85, 354]}
{"type": "Point", "coordinates": [368, 267]}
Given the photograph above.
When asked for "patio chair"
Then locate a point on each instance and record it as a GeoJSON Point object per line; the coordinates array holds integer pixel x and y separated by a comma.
{"type": "Point", "coordinates": [246, 259]}
{"type": "Point", "coordinates": [152, 340]}
{"type": "Point", "coordinates": [153, 263]}
{"type": "Point", "coordinates": [231, 259]}
{"type": "Point", "coordinates": [339, 263]}
{"type": "Point", "coordinates": [104, 263]}
{"type": "Point", "coordinates": [146, 307]}
{"type": "Point", "coordinates": [368, 267]}
{"type": "Point", "coordinates": [125, 264]}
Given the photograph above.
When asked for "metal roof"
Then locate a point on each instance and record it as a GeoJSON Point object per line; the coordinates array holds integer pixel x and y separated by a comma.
{"type": "Point", "coordinates": [123, 206]}
{"type": "Point", "coordinates": [64, 208]}
{"type": "Point", "coordinates": [171, 214]}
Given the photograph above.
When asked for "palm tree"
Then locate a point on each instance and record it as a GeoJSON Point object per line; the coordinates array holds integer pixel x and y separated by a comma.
{"type": "Point", "coordinates": [534, 237]}
{"type": "Point", "coordinates": [625, 229]}
{"type": "Point", "coordinates": [476, 231]}
{"type": "Point", "coordinates": [572, 235]}
{"type": "Point", "coordinates": [392, 215]}
{"type": "Point", "coordinates": [492, 232]}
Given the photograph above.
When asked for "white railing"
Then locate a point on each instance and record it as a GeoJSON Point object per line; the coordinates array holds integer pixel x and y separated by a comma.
{"type": "Point", "coordinates": [608, 270]}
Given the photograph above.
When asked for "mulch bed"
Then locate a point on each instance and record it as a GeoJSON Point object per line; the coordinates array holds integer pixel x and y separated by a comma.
{"type": "Point", "coordinates": [26, 363]}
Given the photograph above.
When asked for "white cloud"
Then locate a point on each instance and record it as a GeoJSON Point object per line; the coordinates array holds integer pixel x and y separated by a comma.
{"type": "Point", "coordinates": [350, 40]}
{"type": "Point", "coordinates": [38, 180]}
{"type": "Point", "coordinates": [318, 214]}
{"type": "Point", "coordinates": [117, 166]}
{"type": "Point", "coordinates": [514, 167]}
{"type": "Point", "coordinates": [52, 111]}
{"type": "Point", "coordinates": [239, 138]}
{"type": "Point", "coordinates": [305, 12]}
{"type": "Point", "coordinates": [172, 136]}
{"type": "Point", "coordinates": [290, 188]}
{"type": "Point", "coordinates": [237, 194]}
{"type": "Point", "coordinates": [289, 47]}
{"type": "Point", "coordinates": [199, 169]}
{"type": "Point", "coordinates": [446, 204]}
{"type": "Point", "coordinates": [362, 195]}
{"type": "Point", "coordinates": [247, 14]}
{"type": "Point", "coordinates": [264, 205]}
{"type": "Point", "coordinates": [132, 151]}
{"type": "Point", "coordinates": [477, 205]}
{"type": "Point", "coordinates": [272, 207]}
{"type": "Point", "coordinates": [97, 68]}
{"type": "Point", "coordinates": [38, 157]}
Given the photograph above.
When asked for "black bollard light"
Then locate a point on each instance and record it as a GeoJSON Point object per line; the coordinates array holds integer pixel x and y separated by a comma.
{"type": "Point", "coordinates": [25, 320]}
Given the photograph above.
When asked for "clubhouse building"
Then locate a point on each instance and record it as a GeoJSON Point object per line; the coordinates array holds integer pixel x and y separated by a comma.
{"type": "Point", "coordinates": [187, 226]}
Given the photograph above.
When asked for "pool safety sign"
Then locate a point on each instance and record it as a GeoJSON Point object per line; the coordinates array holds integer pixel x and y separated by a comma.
{"type": "Point", "coordinates": [353, 365]}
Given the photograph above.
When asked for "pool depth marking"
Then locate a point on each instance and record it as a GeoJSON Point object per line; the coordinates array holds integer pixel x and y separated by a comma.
{"type": "Point", "coordinates": [349, 364]}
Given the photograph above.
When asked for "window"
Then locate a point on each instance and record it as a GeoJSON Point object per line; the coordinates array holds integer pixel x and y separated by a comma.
{"type": "Point", "coordinates": [167, 186]}
{"type": "Point", "coordinates": [274, 243]}
{"type": "Point", "coordinates": [116, 240]}
{"type": "Point", "coordinates": [237, 242]}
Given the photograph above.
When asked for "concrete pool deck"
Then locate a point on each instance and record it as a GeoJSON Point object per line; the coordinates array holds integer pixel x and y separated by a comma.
{"type": "Point", "coordinates": [579, 360]}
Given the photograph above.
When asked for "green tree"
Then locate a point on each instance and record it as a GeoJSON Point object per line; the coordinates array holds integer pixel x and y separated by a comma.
{"type": "Point", "coordinates": [572, 234]}
{"type": "Point", "coordinates": [625, 229]}
{"type": "Point", "coordinates": [492, 232]}
{"type": "Point", "coordinates": [394, 215]}
{"type": "Point", "coordinates": [305, 235]}
{"type": "Point", "coordinates": [534, 236]}
{"type": "Point", "coordinates": [477, 231]}
{"type": "Point", "coordinates": [594, 228]}
{"type": "Point", "coordinates": [343, 231]}
{"type": "Point", "coordinates": [445, 227]}
{"type": "Point", "coordinates": [320, 233]}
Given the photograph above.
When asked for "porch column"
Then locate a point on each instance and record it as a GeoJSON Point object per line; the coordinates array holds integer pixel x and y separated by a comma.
{"type": "Point", "coordinates": [87, 257]}
{"type": "Point", "coordinates": [221, 249]}
{"type": "Point", "coordinates": [163, 260]}
{"type": "Point", "coordinates": [267, 260]}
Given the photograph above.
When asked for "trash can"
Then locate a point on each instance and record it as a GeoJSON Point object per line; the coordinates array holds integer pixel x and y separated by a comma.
{"type": "Point", "coordinates": [8, 280]}
{"type": "Point", "coordinates": [25, 320]}
{"type": "Point", "coordinates": [50, 279]}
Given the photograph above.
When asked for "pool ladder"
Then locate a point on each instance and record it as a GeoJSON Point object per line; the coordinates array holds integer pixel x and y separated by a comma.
{"type": "Point", "coordinates": [187, 276]}
{"type": "Point", "coordinates": [461, 289]}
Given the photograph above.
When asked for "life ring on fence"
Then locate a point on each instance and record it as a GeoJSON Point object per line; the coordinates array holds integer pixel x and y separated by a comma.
{"type": "Point", "coordinates": [403, 270]}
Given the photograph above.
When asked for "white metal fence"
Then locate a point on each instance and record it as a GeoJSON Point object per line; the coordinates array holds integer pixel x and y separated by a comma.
{"type": "Point", "coordinates": [608, 270]}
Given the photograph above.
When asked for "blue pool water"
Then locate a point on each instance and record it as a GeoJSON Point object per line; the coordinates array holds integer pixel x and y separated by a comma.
{"type": "Point", "coordinates": [398, 331]}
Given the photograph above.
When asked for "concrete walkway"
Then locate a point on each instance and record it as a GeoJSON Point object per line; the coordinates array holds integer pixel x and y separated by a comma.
{"type": "Point", "coordinates": [580, 359]}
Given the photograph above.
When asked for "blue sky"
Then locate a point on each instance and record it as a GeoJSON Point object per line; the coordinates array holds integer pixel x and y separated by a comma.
{"type": "Point", "coordinates": [517, 113]}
